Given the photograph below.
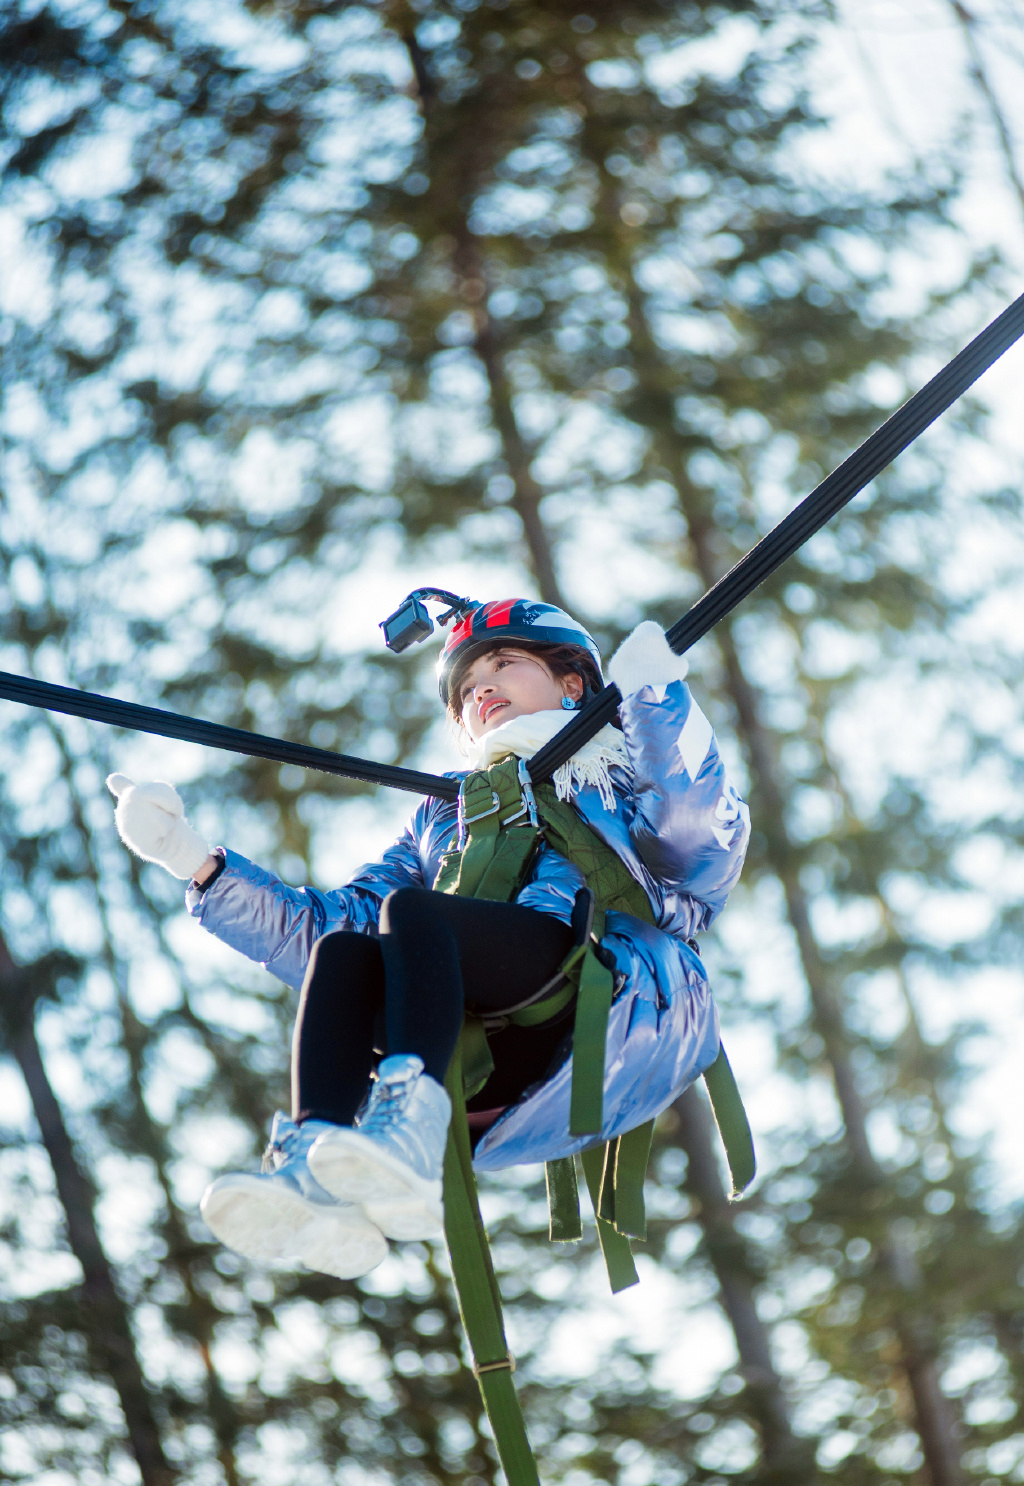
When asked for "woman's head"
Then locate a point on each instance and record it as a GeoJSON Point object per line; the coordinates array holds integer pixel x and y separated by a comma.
{"type": "Point", "coordinates": [490, 686]}
{"type": "Point", "coordinates": [549, 642]}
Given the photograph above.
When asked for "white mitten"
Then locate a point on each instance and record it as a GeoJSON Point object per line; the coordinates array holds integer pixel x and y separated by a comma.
{"type": "Point", "coordinates": [645, 658]}
{"type": "Point", "coordinates": [151, 822]}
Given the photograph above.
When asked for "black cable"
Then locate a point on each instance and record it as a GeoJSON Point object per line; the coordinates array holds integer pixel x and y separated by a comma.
{"type": "Point", "coordinates": [834, 492]}
{"type": "Point", "coordinates": [214, 735]}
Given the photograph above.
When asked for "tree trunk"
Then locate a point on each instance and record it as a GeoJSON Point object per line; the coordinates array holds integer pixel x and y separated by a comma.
{"type": "Point", "coordinates": [788, 1460]}
{"type": "Point", "coordinates": [933, 1414]}
{"type": "Point", "coordinates": [110, 1328]}
{"type": "Point", "coordinates": [527, 494]}
{"type": "Point", "coordinates": [976, 66]}
{"type": "Point", "coordinates": [472, 277]}
{"type": "Point", "coordinates": [198, 1318]}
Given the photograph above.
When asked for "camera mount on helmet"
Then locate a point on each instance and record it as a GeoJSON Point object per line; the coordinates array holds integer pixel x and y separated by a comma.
{"type": "Point", "coordinates": [411, 623]}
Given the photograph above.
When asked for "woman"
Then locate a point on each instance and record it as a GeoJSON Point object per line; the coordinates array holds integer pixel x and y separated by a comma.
{"type": "Point", "coordinates": [386, 965]}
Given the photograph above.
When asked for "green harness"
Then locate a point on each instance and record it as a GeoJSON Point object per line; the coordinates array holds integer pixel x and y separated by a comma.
{"type": "Point", "coordinates": [503, 821]}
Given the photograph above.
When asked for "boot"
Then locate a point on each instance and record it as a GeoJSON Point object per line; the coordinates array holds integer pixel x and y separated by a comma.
{"type": "Point", "coordinates": [285, 1214]}
{"type": "Point", "coordinates": [392, 1162]}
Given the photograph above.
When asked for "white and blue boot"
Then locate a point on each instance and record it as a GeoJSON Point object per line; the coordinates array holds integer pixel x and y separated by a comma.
{"type": "Point", "coordinates": [392, 1161]}
{"type": "Point", "coordinates": [285, 1214]}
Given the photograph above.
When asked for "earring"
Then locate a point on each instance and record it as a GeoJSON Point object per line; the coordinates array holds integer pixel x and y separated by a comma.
{"type": "Point", "coordinates": [569, 705]}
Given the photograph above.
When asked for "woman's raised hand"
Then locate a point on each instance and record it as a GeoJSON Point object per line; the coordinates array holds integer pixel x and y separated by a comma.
{"type": "Point", "coordinates": [151, 822]}
{"type": "Point", "coordinates": [645, 658]}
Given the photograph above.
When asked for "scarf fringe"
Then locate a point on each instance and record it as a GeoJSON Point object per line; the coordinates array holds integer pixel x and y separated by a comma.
{"type": "Point", "coordinates": [590, 765]}
{"type": "Point", "coordinates": [576, 773]}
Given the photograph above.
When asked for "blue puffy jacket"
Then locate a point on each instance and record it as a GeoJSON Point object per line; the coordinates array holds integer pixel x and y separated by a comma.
{"type": "Point", "coordinates": [680, 828]}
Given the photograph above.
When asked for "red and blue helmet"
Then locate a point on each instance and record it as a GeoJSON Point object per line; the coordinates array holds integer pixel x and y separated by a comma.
{"type": "Point", "coordinates": [510, 622]}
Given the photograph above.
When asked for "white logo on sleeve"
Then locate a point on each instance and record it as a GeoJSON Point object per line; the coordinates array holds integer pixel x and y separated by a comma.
{"type": "Point", "coordinates": [730, 812]}
{"type": "Point", "coordinates": [694, 740]}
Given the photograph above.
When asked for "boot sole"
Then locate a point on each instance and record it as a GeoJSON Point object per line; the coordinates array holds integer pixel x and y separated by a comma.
{"type": "Point", "coordinates": [396, 1200]}
{"type": "Point", "coordinates": [267, 1223]}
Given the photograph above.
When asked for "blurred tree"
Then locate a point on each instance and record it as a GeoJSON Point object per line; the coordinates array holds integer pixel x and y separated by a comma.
{"type": "Point", "coordinates": [299, 296]}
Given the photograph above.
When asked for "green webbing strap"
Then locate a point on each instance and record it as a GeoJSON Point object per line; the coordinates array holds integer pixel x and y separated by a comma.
{"type": "Point", "coordinates": [733, 1126]}
{"type": "Point", "coordinates": [618, 1257]}
{"type": "Point", "coordinates": [563, 1201]}
{"type": "Point", "coordinates": [606, 1200]}
{"type": "Point", "coordinates": [617, 1168]}
{"type": "Point", "coordinates": [606, 874]}
{"type": "Point", "coordinates": [508, 866]}
{"type": "Point", "coordinates": [625, 1169]}
{"type": "Point", "coordinates": [479, 1298]}
{"type": "Point", "coordinates": [542, 1011]}
{"type": "Point", "coordinates": [493, 861]}
{"type": "Point", "coordinates": [593, 1003]}
{"type": "Point", "coordinates": [475, 1056]}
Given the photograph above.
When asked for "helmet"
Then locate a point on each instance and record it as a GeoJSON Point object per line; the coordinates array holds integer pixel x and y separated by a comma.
{"type": "Point", "coordinates": [510, 622]}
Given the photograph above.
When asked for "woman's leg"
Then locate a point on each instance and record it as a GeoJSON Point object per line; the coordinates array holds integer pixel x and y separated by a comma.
{"type": "Point", "coordinates": [284, 1213]}
{"type": "Point", "coordinates": [431, 946]}
{"type": "Point", "coordinates": [443, 953]}
{"type": "Point", "coordinates": [332, 1048]}
{"type": "Point", "coordinates": [436, 954]}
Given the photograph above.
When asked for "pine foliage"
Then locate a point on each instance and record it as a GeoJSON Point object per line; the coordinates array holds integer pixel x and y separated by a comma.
{"type": "Point", "coordinates": [514, 296]}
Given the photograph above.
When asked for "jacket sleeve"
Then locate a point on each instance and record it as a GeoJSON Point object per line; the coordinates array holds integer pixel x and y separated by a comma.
{"type": "Point", "coordinates": [690, 827]}
{"type": "Point", "coordinates": [256, 913]}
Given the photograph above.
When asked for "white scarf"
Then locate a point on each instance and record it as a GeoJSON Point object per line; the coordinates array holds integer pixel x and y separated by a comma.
{"type": "Point", "coordinates": [525, 736]}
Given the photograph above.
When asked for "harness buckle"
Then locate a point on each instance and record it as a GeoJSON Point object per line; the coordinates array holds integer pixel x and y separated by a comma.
{"type": "Point", "coordinates": [527, 803]}
{"type": "Point", "coordinates": [526, 785]}
{"type": "Point", "coordinates": [468, 820]}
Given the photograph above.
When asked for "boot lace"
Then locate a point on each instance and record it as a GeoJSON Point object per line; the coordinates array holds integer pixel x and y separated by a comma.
{"type": "Point", "coordinates": [285, 1135]}
{"type": "Point", "coordinates": [387, 1104]}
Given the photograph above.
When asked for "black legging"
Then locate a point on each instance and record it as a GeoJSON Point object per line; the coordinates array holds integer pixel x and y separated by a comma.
{"type": "Point", "coordinates": [436, 956]}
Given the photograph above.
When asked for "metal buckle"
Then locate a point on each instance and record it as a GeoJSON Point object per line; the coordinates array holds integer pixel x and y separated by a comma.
{"type": "Point", "coordinates": [526, 785]}
{"type": "Point", "coordinates": [468, 820]}
{"type": "Point", "coordinates": [527, 803]}
{"type": "Point", "coordinates": [511, 819]}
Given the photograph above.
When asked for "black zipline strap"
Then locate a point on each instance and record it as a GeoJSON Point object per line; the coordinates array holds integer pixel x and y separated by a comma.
{"type": "Point", "coordinates": [214, 735]}
{"type": "Point", "coordinates": [834, 492]}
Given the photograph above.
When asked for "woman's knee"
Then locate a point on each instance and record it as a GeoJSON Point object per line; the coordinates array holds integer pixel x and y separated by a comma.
{"type": "Point", "coordinates": [339, 948]}
{"type": "Point", "coordinates": [405, 906]}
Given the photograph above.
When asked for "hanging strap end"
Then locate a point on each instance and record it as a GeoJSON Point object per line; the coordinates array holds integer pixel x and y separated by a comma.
{"type": "Point", "coordinates": [733, 1126]}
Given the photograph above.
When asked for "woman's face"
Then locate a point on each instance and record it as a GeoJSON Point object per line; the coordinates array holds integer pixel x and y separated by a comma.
{"type": "Point", "coordinates": [510, 683]}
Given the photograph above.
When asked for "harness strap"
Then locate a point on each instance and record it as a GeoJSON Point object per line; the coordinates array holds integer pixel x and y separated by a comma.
{"type": "Point", "coordinates": [618, 1256]}
{"type": "Point", "coordinates": [624, 1171]}
{"type": "Point", "coordinates": [543, 1011]}
{"type": "Point", "coordinates": [615, 1177]}
{"type": "Point", "coordinates": [499, 832]}
{"type": "Point", "coordinates": [475, 1056]}
{"type": "Point", "coordinates": [489, 801]}
{"type": "Point", "coordinates": [732, 1122]}
{"type": "Point", "coordinates": [564, 1225]}
{"type": "Point", "coordinates": [479, 1299]}
{"type": "Point", "coordinates": [593, 1003]}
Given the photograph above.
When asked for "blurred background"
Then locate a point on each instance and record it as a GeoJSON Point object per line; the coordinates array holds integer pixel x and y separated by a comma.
{"type": "Point", "coordinates": [304, 304]}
